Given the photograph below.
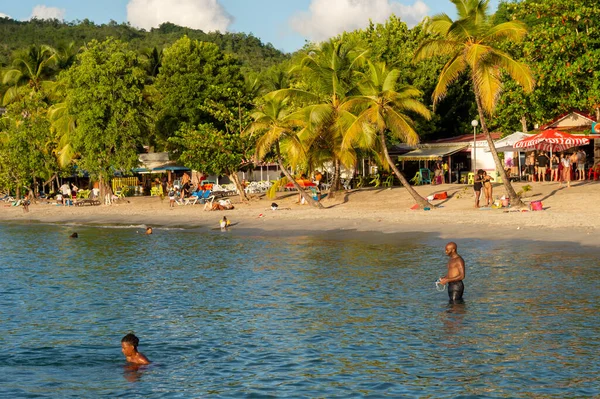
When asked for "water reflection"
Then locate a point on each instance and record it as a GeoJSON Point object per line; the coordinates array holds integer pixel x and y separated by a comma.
{"type": "Point", "coordinates": [133, 372]}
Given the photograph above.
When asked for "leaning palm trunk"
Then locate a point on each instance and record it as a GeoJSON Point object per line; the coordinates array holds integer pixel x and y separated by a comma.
{"type": "Point", "coordinates": [335, 182]}
{"type": "Point", "coordinates": [238, 185]}
{"type": "Point", "coordinates": [515, 200]}
{"type": "Point", "coordinates": [422, 202]}
{"type": "Point", "coordinates": [308, 198]}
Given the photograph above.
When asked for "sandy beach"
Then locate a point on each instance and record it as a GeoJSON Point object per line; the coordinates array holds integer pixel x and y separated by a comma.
{"type": "Point", "coordinates": [569, 215]}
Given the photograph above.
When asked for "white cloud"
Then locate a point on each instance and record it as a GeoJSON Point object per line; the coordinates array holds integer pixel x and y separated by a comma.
{"type": "Point", "coordinates": [43, 12]}
{"type": "Point", "coordinates": [208, 15]}
{"type": "Point", "coordinates": [4, 16]}
{"type": "Point", "coordinates": [327, 18]}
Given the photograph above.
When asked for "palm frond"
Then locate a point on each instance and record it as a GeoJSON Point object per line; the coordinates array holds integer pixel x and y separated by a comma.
{"type": "Point", "coordinates": [436, 48]}
{"type": "Point", "coordinates": [476, 53]}
{"type": "Point", "coordinates": [439, 23]}
{"type": "Point", "coordinates": [462, 30]}
{"type": "Point", "coordinates": [488, 86]}
{"type": "Point", "coordinates": [414, 106]}
{"type": "Point", "coordinates": [519, 71]}
{"type": "Point", "coordinates": [514, 31]}
{"type": "Point", "coordinates": [401, 127]}
{"type": "Point", "coordinates": [449, 74]}
{"type": "Point", "coordinates": [390, 80]}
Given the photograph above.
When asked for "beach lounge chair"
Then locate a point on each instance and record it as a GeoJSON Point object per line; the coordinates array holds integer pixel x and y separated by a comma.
{"type": "Point", "coordinates": [202, 196]}
{"type": "Point", "coordinates": [190, 200]}
{"type": "Point", "coordinates": [208, 203]}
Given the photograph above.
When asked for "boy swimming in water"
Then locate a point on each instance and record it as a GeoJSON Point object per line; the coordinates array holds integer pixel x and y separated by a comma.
{"type": "Point", "coordinates": [129, 345]}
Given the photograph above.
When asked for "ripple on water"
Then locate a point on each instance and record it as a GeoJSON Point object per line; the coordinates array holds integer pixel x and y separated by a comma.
{"type": "Point", "coordinates": [310, 316]}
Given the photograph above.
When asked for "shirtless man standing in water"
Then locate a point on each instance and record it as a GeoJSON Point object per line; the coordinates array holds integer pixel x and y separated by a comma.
{"type": "Point", "coordinates": [456, 274]}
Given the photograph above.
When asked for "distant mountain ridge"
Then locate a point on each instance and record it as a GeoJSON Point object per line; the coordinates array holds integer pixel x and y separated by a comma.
{"type": "Point", "coordinates": [250, 50]}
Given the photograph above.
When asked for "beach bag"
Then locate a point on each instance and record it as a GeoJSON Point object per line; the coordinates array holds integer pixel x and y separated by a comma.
{"type": "Point", "coordinates": [536, 206]}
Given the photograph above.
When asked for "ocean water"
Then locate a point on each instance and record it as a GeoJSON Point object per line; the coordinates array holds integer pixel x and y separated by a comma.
{"type": "Point", "coordinates": [239, 315]}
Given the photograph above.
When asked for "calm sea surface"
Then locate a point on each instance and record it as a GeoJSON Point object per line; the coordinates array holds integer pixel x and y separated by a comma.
{"type": "Point", "coordinates": [247, 316]}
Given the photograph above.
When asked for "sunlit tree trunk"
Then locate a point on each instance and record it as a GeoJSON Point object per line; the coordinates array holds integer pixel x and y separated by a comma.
{"type": "Point", "coordinates": [422, 202]}
{"type": "Point", "coordinates": [306, 195]}
{"type": "Point", "coordinates": [238, 185]}
{"type": "Point", "coordinates": [514, 198]}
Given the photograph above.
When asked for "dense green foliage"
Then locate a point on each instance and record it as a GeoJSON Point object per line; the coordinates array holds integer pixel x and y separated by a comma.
{"type": "Point", "coordinates": [202, 107]}
{"type": "Point", "coordinates": [105, 96]}
{"type": "Point", "coordinates": [94, 95]}
{"type": "Point", "coordinates": [563, 50]}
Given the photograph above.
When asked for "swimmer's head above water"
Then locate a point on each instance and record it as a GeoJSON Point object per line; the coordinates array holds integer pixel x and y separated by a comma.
{"type": "Point", "coordinates": [129, 344]}
{"type": "Point", "coordinates": [148, 230]}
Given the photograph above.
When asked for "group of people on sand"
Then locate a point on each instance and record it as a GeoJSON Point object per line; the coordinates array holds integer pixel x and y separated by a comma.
{"type": "Point", "coordinates": [563, 167]}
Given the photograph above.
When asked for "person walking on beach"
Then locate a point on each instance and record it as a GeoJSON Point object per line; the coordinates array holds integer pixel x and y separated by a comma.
{"type": "Point", "coordinates": [129, 345]}
{"type": "Point", "coordinates": [456, 274]}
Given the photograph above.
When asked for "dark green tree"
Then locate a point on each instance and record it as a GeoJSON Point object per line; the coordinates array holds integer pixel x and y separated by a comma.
{"type": "Point", "coordinates": [104, 94]}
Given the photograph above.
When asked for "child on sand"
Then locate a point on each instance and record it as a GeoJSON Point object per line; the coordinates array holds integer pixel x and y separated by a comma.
{"type": "Point", "coordinates": [171, 196]}
{"type": "Point", "coordinates": [129, 345]}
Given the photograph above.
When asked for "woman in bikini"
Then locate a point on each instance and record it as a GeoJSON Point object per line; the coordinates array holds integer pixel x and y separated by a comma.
{"type": "Point", "coordinates": [487, 188]}
{"type": "Point", "coordinates": [477, 185]}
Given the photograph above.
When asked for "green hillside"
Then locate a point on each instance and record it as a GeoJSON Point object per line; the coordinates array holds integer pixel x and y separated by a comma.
{"type": "Point", "coordinates": [14, 35]}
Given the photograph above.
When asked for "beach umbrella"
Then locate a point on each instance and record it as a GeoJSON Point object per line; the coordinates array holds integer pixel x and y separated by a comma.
{"type": "Point", "coordinates": [551, 140]}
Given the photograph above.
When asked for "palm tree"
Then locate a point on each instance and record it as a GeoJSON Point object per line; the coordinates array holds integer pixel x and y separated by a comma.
{"type": "Point", "coordinates": [29, 68]}
{"type": "Point", "coordinates": [382, 108]}
{"type": "Point", "coordinates": [472, 43]}
{"type": "Point", "coordinates": [273, 121]}
{"type": "Point", "coordinates": [154, 58]}
{"type": "Point", "coordinates": [330, 71]}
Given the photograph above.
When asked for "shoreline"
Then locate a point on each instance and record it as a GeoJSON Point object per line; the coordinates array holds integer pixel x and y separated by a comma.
{"type": "Point", "coordinates": [569, 214]}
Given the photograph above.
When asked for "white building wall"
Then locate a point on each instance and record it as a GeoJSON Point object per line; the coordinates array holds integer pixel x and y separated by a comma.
{"type": "Point", "coordinates": [484, 160]}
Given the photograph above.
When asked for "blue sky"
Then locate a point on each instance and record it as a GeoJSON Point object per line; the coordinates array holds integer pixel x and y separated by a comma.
{"type": "Point", "coordinates": [287, 24]}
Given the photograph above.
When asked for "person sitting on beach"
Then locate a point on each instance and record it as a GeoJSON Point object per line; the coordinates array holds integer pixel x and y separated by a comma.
{"type": "Point", "coordinates": [129, 345]}
{"type": "Point", "coordinates": [224, 223]}
{"type": "Point", "coordinates": [59, 199]}
{"type": "Point", "coordinates": [456, 274]}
